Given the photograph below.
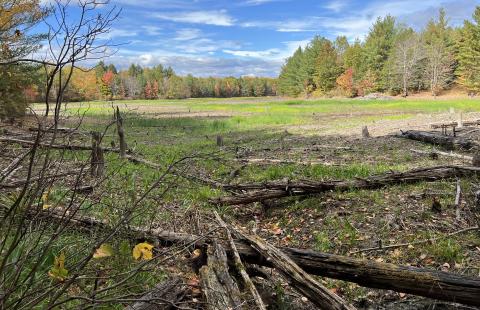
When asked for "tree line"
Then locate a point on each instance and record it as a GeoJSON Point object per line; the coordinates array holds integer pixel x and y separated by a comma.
{"type": "Point", "coordinates": [393, 58]}
{"type": "Point", "coordinates": [106, 82]}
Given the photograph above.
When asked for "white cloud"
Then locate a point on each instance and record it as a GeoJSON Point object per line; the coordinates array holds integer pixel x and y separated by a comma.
{"type": "Point", "coordinates": [217, 18]}
{"type": "Point", "coordinates": [187, 34]}
{"type": "Point", "coordinates": [336, 6]}
{"type": "Point", "coordinates": [277, 54]}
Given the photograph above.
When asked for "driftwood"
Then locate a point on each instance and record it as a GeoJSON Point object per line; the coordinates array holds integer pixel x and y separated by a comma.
{"type": "Point", "coordinates": [240, 267]}
{"type": "Point", "coordinates": [219, 288]}
{"type": "Point", "coordinates": [412, 280]}
{"type": "Point", "coordinates": [448, 142]}
{"type": "Point", "coordinates": [296, 276]}
{"type": "Point", "coordinates": [164, 296]}
{"type": "Point", "coordinates": [272, 190]}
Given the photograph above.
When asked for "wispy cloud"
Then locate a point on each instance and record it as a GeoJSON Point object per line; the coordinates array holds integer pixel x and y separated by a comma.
{"type": "Point", "coordinates": [217, 18]}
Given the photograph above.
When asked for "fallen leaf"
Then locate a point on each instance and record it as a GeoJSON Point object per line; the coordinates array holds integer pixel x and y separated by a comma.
{"type": "Point", "coordinates": [58, 271]}
{"type": "Point", "coordinates": [143, 251]}
{"type": "Point", "coordinates": [105, 250]}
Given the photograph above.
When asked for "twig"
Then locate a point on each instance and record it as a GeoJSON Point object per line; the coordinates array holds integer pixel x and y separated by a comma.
{"type": "Point", "coordinates": [458, 201]}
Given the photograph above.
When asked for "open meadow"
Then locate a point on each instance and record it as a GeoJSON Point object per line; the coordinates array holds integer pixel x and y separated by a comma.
{"type": "Point", "coordinates": [210, 146]}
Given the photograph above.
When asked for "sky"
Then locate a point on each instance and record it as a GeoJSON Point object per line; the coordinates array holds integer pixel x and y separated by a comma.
{"type": "Point", "coordinates": [251, 37]}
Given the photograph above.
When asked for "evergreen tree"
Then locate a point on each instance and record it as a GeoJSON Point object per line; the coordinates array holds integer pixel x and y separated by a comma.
{"type": "Point", "coordinates": [469, 54]}
{"type": "Point", "coordinates": [327, 68]}
{"type": "Point", "coordinates": [378, 48]}
{"type": "Point", "coordinates": [290, 81]}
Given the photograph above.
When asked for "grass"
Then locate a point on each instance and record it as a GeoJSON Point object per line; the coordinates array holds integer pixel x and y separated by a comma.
{"type": "Point", "coordinates": [250, 125]}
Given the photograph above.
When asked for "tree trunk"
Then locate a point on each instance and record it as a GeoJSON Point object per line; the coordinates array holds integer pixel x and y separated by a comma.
{"type": "Point", "coordinates": [450, 143]}
{"type": "Point", "coordinates": [121, 134]}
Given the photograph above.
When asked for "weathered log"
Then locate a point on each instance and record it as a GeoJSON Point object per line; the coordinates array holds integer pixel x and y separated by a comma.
{"type": "Point", "coordinates": [219, 288]}
{"type": "Point", "coordinates": [164, 296]}
{"type": "Point", "coordinates": [412, 280]}
{"type": "Point", "coordinates": [68, 147]}
{"type": "Point", "coordinates": [296, 276]}
{"type": "Point", "coordinates": [240, 267]}
{"type": "Point", "coordinates": [448, 142]}
{"type": "Point", "coordinates": [273, 190]}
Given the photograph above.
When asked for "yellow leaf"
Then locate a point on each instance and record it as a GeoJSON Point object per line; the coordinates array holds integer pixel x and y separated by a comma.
{"type": "Point", "coordinates": [46, 206]}
{"type": "Point", "coordinates": [143, 251]}
{"type": "Point", "coordinates": [105, 250]}
{"type": "Point", "coordinates": [58, 271]}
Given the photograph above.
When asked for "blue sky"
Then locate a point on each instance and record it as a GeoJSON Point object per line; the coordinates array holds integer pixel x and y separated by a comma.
{"type": "Point", "coordinates": [251, 37]}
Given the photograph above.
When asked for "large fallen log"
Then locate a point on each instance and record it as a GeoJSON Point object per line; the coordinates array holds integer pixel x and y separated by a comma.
{"type": "Point", "coordinates": [448, 142]}
{"type": "Point", "coordinates": [219, 288]}
{"type": "Point", "coordinates": [412, 280]}
{"type": "Point", "coordinates": [272, 190]}
{"type": "Point", "coordinates": [296, 276]}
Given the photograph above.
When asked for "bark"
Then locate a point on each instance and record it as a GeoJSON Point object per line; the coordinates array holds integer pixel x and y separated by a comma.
{"type": "Point", "coordinates": [448, 142]}
{"type": "Point", "coordinates": [219, 288]}
{"type": "Point", "coordinates": [164, 296]}
{"type": "Point", "coordinates": [296, 276]}
{"type": "Point", "coordinates": [69, 147]}
{"type": "Point", "coordinates": [273, 190]}
{"type": "Point", "coordinates": [240, 267]}
{"type": "Point", "coordinates": [412, 280]}
{"type": "Point", "coordinates": [121, 134]}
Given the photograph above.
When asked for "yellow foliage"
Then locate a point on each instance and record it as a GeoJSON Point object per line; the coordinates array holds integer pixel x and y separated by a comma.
{"type": "Point", "coordinates": [58, 271]}
{"type": "Point", "coordinates": [105, 250]}
{"type": "Point", "coordinates": [143, 251]}
{"type": "Point", "coordinates": [45, 200]}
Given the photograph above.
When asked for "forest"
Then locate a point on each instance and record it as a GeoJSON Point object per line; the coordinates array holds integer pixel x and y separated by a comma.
{"type": "Point", "coordinates": [394, 58]}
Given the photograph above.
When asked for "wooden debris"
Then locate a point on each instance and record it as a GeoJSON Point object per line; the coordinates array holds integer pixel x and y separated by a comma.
{"type": "Point", "coordinates": [272, 190]}
{"type": "Point", "coordinates": [121, 134]}
{"type": "Point", "coordinates": [458, 201]}
{"type": "Point", "coordinates": [69, 147]}
{"type": "Point", "coordinates": [97, 168]}
{"type": "Point", "coordinates": [365, 132]}
{"type": "Point", "coordinates": [219, 288]}
{"type": "Point", "coordinates": [240, 267]}
{"type": "Point", "coordinates": [220, 142]}
{"type": "Point", "coordinates": [367, 273]}
{"type": "Point", "coordinates": [448, 142]}
{"type": "Point", "coordinates": [296, 276]}
{"type": "Point", "coordinates": [164, 296]}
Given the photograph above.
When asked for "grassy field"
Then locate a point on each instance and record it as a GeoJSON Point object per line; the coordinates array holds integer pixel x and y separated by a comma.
{"type": "Point", "coordinates": [314, 140]}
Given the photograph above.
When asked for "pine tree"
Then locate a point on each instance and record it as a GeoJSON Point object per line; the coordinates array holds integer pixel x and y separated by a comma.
{"type": "Point", "coordinates": [468, 56]}
{"type": "Point", "coordinates": [290, 81]}
{"type": "Point", "coordinates": [378, 48]}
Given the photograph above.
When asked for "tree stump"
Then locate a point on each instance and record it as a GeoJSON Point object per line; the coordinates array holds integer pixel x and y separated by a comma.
{"type": "Point", "coordinates": [220, 142]}
{"type": "Point", "coordinates": [365, 132]}
{"type": "Point", "coordinates": [121, 134]}
{"type": "Point", "coordinates": [97, 168]}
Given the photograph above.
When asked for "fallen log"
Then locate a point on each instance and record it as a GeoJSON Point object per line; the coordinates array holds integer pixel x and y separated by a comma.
{"type": "Point", "coordinates": [219, 288]}
{"type": "Point", "coordinates": [272, 190]}
{"type": "Point", "coordinates": [68, 147]}
{"type": "Point", "coordinates": [296, 276]}
{"type": "Point", "coordinates": [448, 142]}
{"type": "Point", "coordinates": [164, 296]}
{"type": "Point", "coordinates": [412, 280]}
